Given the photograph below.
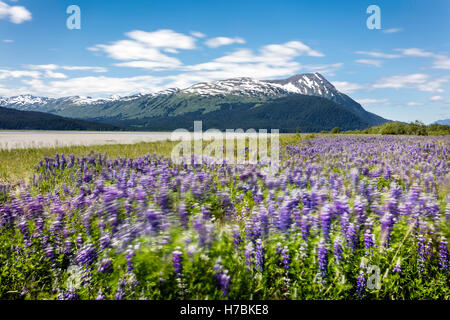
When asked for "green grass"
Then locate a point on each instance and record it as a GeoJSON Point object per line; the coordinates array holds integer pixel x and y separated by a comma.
{"type": "Point", "coordinates": [19, 164]}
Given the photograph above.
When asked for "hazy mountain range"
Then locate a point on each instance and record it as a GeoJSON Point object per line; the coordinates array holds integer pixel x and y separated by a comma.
{"type": "Point", "coordinates": [444, 122]}
{"type": "Point", "coordinates": [308, 101]}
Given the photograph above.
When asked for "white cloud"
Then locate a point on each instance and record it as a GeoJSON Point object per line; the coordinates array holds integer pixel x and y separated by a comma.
{"type": "Point", "coordinates": [273, 60]}
{"type": "Point", "coordinates": [436, 98]}
{"type": "Point", "coordinates": [85, 68]}
{"type": "Point", "coordinates": [197, 34]}
{"type": "Point", "coordinates": [392, 30]}
{"type": "Point", "coordinates": [55, 75]}
{"type": "Point", "coordinates": [163, 38]}
{"type": "Point", "coordinates": [223, 41]}
{"type": "Point", "coordinates": [415, 52]}
{"type": "Point", "coordinates": [401, 81]}
{"type": "Point", "coordinates": [147, 46]}
{"type": "Point", "coordinates": [414, 104]}
{"type": "Point", "coordinates": [69, 68]}
{"type": "Point", "coordinates": [441, 62]}
{"type": "Point", "coordinates": [95, 86]}
{"type": "Point", "coordinates": [417, 81]}
{"type": "Point", "coordinates": [8, 41]}
{"type": "Point", "coordinates": [42, 66]}
{"type": "Point", "coordinates": [347, 87]}
{"type": "Point", "coordinates": [325, 69]}
{"type": "Point", "coordinates": [372, 101]}
{"type": "Point", "coordinates": [15, 14]}
{"type": "Point", "coordinates": [372, 62]}
{"type": "Point", "coordinates": [377, 54]}
{"type": "Point", "coordinates": [8, 74]}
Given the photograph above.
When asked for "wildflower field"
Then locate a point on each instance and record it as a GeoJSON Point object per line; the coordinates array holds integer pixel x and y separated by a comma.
{"type": "Point", "coordinates": [345, 217]}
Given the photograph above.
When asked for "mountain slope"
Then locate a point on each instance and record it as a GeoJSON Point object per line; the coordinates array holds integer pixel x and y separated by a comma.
{"type": "Point", "coordinates": [31, 120]}
{"type": "Point", "coordinates": [310, 113]}
{"type": "Point", "coordinates": [200, 98]}
{"type": "Point", "coordinates": [314, 84]}
{"type": "Point", "coordinates": [444, 122]}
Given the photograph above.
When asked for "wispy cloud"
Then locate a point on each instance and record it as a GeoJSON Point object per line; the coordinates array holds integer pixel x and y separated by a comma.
{"type": "Point", "coordinates": [392, 30]}
{"type": "Point", "coordinates": [325, 69]}
{"type": "Point", "coordinates": [377, 54]}
{"type": "Point", "coordinates": [145, 49]}
{"type": "Point", "coordinates": [8, 74]}
{"type": "Point", "coordinates": [8, 41]}
{"type": "Point", "coordinates": [223, 41]}
{"type": "Point", "coordinates": [197, 34]}
{"type": "Point", "coordinates": [347, 87]}
{"type": "Point", "coordinates": [436, 98]}
{"type": "Point", "coordinates": [441, 61]}
{"type": "Point", "coordinates": [372, 62]}
{"type": "Point", "coordinates": [414, 104]}
{"type": "Point", "coordinates": [372, 101]}
{"type": "Point", "coordinates": [68, 68]}
{"type": "Point", "coordinates": [15, 14]}
{"type": "Point", "coordinates": [417, 81]}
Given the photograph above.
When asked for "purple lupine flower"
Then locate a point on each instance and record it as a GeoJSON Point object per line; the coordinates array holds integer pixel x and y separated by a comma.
{"type": "Point", "coordinates": [237, 240]}
{"type": "Point", "coordinates": [183, 214]}
{"type": "Point", "coordinates": [398, 266]}
{"type": "Point", "coordinates": [359, 209]}
{"type": "Point", "coordinates": [50, 252]}
{"type": "Point", "coordinates": [205, 230]}
{"type": "Point", "coordinates": [154, 219]}
{"type": "Point", "coordinates": [106, 266]}
{"type": "Point", "coordinates": [68, 248]}
{"type": "Point", "coordinates": [369, 241]}
{"type": "Point", "coordinates": [206, 213]}
{"type": "Point", "coordinates": [23, 226]}
{"type": "Point", "coordinates": [285, 219]}
{"type": "Point", "coordinates": [286, 258]}
{"type": "Point", "coordinates": [253, 228]}
{"type": "Point", "coordinates": [177, 260]}
{"type": "Point", "coordinates": [325, 221]}
{"type": "Point", "coordinates": [70, 294]}
{"type": "Point", "coordinates": [163, 198]}
{"type": "Point", "coordinates": [421, 259]}
{"type": "Point", "coordinates": [337, 251]}
{"type": "Point", "coordinates": [387, 221]}
{"type": "Point", "coordinates": [305, 226]}
{"type": "Point", "coordinates": [345, 220]}
{"type": "Point", "coordinates": [443, 254]}
{"type": "Point", "coordinates": [352, 237]}
{"type": "Point", "coordinates": [100, 296]}
{"type": "Point", "coordinates": [105, 241]}
{"type": "Point", "coordinates": [264, 221]}
{"type": "Point", "coordinates": [322, 253]}
{"type": "Point", "coordinates": [87, 255]}
{"type": "Point", "coordinates": [249, 254]}
{"type": "Point", "coordinates": [223, 279]}
{"type": "Point", "coordinates": [129, 256]}
{"type": "Point", "coordinates": [361, 285]}
{"type": "Point", "coordinates": [259, 254]}
{"type": "Point", "coordinates": [120, 292]}
{"type": "Point", "coordinates": [79, 240]}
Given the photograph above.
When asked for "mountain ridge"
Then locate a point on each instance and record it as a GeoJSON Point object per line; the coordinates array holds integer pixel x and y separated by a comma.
{"type": "Point", "coordinates": [201, 98]}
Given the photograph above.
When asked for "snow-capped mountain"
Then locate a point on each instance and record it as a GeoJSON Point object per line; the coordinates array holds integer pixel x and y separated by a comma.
{"type": "Point", "coordinates": [311, 84]}
{"type": "Point", "coordinates": [23, 101]}
{"type": "Point", "coordinates": [202, 97]}
{"type": "Point", "coordinates": [236, 86]}
{"type": "Point", "coordinates": [308, 84]}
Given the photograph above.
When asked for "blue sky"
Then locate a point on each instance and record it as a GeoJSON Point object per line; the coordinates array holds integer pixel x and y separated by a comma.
{"type": "Point", "coordinates": [401, 71]}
